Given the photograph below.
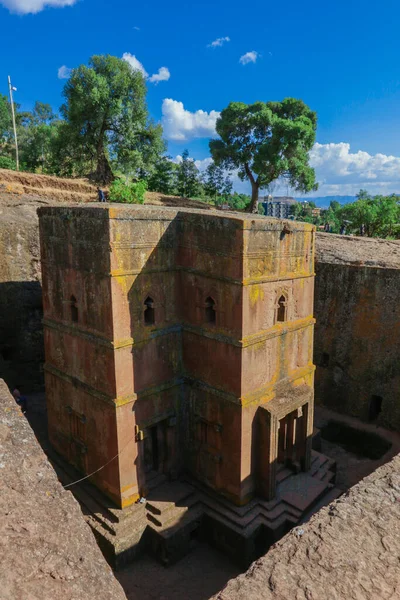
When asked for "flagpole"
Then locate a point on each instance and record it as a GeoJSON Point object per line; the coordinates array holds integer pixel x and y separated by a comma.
{"type": "Point", "coordinates": [11, 89]}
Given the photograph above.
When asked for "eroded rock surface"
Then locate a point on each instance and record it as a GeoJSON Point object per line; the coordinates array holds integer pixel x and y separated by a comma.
{"type": "Point", "coordinates": [348, 551]}
{"type": "Point", "coordinates": [358, 251]}
{"type": "Point", "coordinates": [47, 551]}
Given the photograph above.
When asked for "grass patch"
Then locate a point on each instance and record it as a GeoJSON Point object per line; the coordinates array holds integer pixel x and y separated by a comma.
{"type": "Point", "coordinates": [363, 444]}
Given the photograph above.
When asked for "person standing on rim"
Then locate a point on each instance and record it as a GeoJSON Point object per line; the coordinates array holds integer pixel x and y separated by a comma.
{"type": "Point", "coordinates": [101, 195]}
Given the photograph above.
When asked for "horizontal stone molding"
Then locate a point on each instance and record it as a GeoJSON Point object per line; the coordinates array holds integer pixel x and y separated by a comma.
{"type": "Point", "coordinates": [275, 331]}
{"type": "Point", "coordinates": [112, 400]}
{"type": "Point", "coordinates": [268, 391]}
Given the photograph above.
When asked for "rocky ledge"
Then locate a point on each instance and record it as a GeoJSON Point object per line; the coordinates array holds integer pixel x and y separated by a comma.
{"type": "Point", "coordinates": [47, 551]}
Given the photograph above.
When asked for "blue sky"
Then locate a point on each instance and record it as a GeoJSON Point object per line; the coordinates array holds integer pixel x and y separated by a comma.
{"type": "Point", "coordinates": [342, 58]}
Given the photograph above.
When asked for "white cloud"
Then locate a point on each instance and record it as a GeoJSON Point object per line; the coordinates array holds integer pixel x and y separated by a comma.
{"type": "Point", "coordinates": [219, 42]}
{"type": "Point", "coordinates": [135, 63]}
{"type": "Point", "coordinates": [64, 72]}
{"type": "Point", "coordinates": [181, 125]}
{"type": "Point", "coordinates": [249, 57]}
{"type": "Point", "coordinates": [162, 75]}
{"type": "Point", "coordinates": [24, 7]}
{"type": "Point", "coordinates": [339, 171]}
{"type": "Point", "coordinates": [203, 163]}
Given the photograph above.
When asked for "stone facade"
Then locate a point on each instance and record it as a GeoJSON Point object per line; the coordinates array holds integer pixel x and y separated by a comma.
{"type": "Point", "coordinates": [181, 341]}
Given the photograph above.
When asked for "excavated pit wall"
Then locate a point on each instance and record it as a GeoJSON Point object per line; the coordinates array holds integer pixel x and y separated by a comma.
{"type": "Point", "coordinates": [21, 331]}
{"type": "Point", "coordinates": [357, 334]}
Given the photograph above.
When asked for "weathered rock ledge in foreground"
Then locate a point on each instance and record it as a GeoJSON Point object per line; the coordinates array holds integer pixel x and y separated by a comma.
{"type": "Point", "coordinates": [47, 551]}
{"type": "Point", "coordinates": [348, 551]}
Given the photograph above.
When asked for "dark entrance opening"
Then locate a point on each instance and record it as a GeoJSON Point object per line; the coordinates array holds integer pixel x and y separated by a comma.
{"type": "Point", "coordinates": [281, 314]}
{"type": "Point", "coordinates": [375, 407]}
{"type": "Point", "coordinates": [292, 439]}
{"type": "Point", "coordinates": [74, 310]}
{"type": "Point", "coordinates": [149, 317]}
{"type": "Point", "coordinates": [210, 310]}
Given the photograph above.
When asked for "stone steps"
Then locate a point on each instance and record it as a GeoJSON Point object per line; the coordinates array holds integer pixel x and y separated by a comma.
{"type": "Point", "coordinates": [173, 510]}
{"type": "Point", "coordinates": [283, 474]}
{"type": "Point", "coordinates": [176, 521]}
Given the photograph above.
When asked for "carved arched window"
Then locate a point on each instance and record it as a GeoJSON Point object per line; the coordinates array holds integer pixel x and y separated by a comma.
{"type": "Point", "coordinates": [149, 315]}
{"type": "Point", "coordinates": [74, 309]}
{"type": "Point", "coordinates": [281, 309]}
{"type": "Point", "coordinates": [210, 310]}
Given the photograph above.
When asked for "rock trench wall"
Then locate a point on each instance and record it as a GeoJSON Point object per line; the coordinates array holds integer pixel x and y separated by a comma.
{"type": "Point", "coordinates": [357, 333]}
{"type": "Point", "coordinates": [21, 331]}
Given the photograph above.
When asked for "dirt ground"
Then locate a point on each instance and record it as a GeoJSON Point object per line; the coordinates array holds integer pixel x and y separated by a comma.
{"type": "Point", "coordinates": [198, 576]}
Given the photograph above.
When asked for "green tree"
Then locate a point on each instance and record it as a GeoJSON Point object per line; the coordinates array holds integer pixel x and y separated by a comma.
{"type": "Point", "coordinates": [267, 141]}
{"type": "Point", "coordinates": [5, 117]}
{"type": "Point", "coordinates": [67, 158]}
{"type": "Point", "coordinates": [238, 201]}
{"type": "Point", "coordinates": [188, 184]}
{"type": "Point", "coordinates": [36, 132]}
{"type": "Point", "coordinates": [387, 216]}
{"type": "Point", "coordinates": [363, 195]}
{"type": "Point", "coordinates": [6, 135]}
{"type": "Point", "coordinates": [334, 205]}
{"type": "Point", "coordinates": [217, 183]}
{"type": "Point", "coordinates": [163, 178]}
{"type": "Point", "coordinates": [297, 210]}
{"type": "Point", "coordinates": [379, 215]}
{"type": "Point", "coordinates": [105, 108]}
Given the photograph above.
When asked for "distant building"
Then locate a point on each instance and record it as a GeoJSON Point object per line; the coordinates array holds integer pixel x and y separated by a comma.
{"type": "Point", "coordinates": [278, 206]}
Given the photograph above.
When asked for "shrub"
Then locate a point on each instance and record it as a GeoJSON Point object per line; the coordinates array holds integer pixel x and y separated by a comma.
{"type": "Point", "coordinates": [129, 193]}
{"type": "Point", "coordinates": [7, 163]}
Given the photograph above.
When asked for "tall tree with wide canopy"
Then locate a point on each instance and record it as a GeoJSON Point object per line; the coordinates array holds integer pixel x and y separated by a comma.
{"type": "Point", "coordinates": [105, 108]}
{"type": "Point", "coordinates": [266, 141]}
